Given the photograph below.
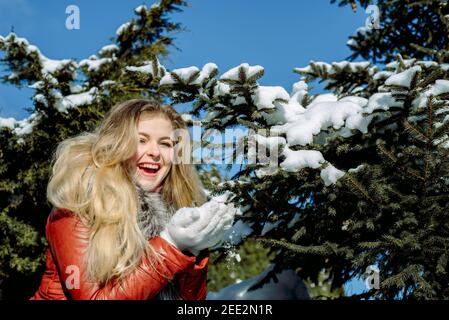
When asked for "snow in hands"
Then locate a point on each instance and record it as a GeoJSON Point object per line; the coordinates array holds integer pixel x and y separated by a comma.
{"type": "Point", "coordinates": [198, 228]}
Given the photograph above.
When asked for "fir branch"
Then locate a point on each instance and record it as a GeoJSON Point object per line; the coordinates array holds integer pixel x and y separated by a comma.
{"type": "Point", "coordinates": [436, 74]}
{"type": "Point", "coordinates": [248, 124]}
{"type": "Point", "coordinates": [441, 131]}
{"type": "Point", "coordinates": [393, 241]}
{"type": "Point", "coordinates": [420, 3]}
{"type": "Point", "coordinates": [423, 289]}
{"type": "Point", "coordinates": [445, 154]}
{"type": "Point", "coordinates": [298, 234]}
{"type": "Point", "coordinates": [430, 116]}
{"type": "Point", "coordinates": [414, 173]}
{"type": "Point", "coordinates": [383, 151]}
{"type": "Point", "coordinates": [432, 199]}
{"type": "Point", "coordinates": [427, 51]}
{"type": "Point", "coordinates": [413, 84]}
{"type": "Point", "coordinates": [414, 131]}
{"type": "Point", "coordinates": [131, 89]}
{"type": "Point", "coordinates": [398, 280]}
{"type": "Point", "coordinates": [321, 250]}
{"type": "Point", "coordinates": [427, 160]}
{"type": "Point", "coordinates": [357, 186]}
{"type": "Point", "coordinates": [442, 264]}
{"type": "Point", "coordinates": [371, 245]}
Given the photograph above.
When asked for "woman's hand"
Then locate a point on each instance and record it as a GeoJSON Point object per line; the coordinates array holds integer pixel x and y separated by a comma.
{"type": "Point", "coordinates": [195, 229]}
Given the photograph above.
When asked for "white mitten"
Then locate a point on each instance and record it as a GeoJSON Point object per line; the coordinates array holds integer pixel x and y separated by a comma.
{"type": "Point", "coordinates": [195, 229]}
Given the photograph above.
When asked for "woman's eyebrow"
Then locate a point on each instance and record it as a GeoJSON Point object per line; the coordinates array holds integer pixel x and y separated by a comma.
{"type": "Point", "coordinates": [148, 136]}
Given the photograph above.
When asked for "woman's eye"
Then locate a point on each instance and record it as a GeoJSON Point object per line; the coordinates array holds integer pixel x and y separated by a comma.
{"type": "Point", "coordinates": [142, 140]}
{"type": "Point", "coordinates": [167, 144]}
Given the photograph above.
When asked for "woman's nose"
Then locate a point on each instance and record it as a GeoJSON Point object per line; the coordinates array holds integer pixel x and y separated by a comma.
{"type": "Point", "coordinates": [153, 150]}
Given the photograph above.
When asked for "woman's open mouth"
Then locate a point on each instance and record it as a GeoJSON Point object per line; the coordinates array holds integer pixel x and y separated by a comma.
{"type": "Point", "coordinates": [148, 169]}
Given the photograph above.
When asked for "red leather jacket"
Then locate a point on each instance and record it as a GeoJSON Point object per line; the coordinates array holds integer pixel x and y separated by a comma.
{"type": "Point", "coordinates": [68, 240]}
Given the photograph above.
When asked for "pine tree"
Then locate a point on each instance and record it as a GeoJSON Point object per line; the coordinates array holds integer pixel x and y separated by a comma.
{"type": "Point", "coordinates": [363, 175]}
{"type": "Point", "coordinates": [414, 29]}
{"type": "Point", "coordinates": [64, 105]}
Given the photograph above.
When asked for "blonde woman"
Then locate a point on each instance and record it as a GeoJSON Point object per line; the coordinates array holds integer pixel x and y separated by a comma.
{"type": "Point", "coordinates": [129, 220]}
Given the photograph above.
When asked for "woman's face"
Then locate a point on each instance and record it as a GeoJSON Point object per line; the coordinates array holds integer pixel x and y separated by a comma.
{"type": "Point", "coordinates": [154, 155]}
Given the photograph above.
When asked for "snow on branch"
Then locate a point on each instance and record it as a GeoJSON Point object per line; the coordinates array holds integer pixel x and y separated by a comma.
{"type": "Point", "coordinates": [189, 75]}
{"type": "Point", "coordinates": [16, 47]}
{"type": "Point", "coordinates": [242, 72]}
{"type": "Point", "coordinates": [319, 67]}
{"type": "Point", "coordinates": [20, 127]}
{"type": "Point", "coordinates": [76, 100]}
{"type": "Point", "coordinates": [93, 63]}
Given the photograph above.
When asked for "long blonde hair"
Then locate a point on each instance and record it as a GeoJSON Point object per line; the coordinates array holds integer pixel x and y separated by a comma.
{"type": "Point", "coordinates": [91, 177]}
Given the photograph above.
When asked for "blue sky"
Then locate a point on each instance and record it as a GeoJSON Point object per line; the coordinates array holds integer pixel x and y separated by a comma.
{"type": "Point", "coordinates": [278, 35]}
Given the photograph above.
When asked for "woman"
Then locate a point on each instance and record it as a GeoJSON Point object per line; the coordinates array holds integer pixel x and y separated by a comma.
{"type": "Point", "coordinates": [115, 231]}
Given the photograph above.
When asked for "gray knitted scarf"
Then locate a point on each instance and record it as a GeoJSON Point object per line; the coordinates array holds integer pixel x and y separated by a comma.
{"type": "Point", "coordinates": [153, 216]}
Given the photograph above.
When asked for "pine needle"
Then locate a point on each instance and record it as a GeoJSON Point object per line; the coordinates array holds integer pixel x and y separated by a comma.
{"type": "Point", "coordinates": [414, 131]}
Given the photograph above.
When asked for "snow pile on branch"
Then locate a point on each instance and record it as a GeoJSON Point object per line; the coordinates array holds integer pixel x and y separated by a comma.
{"type": "Point", "coordinates": [136, 25]}
{"type": "Point", "coordinates": [20, 127]}
{"type": "Point", "coordinates": [323, 114]}
{"type": "Point", "coordinates": [336, 67]}
{"type": "Point", "coordinates": [381, 101]}
{"type": "Point", "coordinates": [284, 111]}
{"type": "Point", "coordinates": [330, 175]}
{"type": "Point", "coordinates": [403, 79]}
{"type": "Point", "coordinates": [63, 103]}
{"type": "Point", "coordinates": [124, 27]}
{"type": "Point", "coordinates": [397, 66]}
{"type": "Point", "coordinates": [440, 87]}
{"type": "Point", "coordinates": [190, 75]}
{"type": "Point", "coordinates": [110, 48]}
{"type": "Point", "coordinates": [49, 67]}
{"type": "Point", "coordinates": [319, 116]}
{"type": "Point", "coordinates": [152, 68]}
{"type": "Point", "coordinates": [147, 68]}
{"type": "Point", "coordinates": [265, 97]}
{"type": "Point", "coordinates": [183, 75]}
{"type": "Point", "coordinates": [141, 9]}
{"type": "Point", "coordinates": [26, 125]}
{"type": "Point", "coordinates": [358, 39]}
{"type": "Point", "coordinates": [244, 70]}
{"type": "Point", "coordinates": [209, 70]}
{"type": "Point", "coordinates": [288, 111]}
{"type": "Point", "coordinates": [296, 160]}
{"type": "Point", "coordinates": [76, 100]}
{"type": "Point", "coordinates": [8, 122]}
{"type": "Point", "coordinates": [93, 63]}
